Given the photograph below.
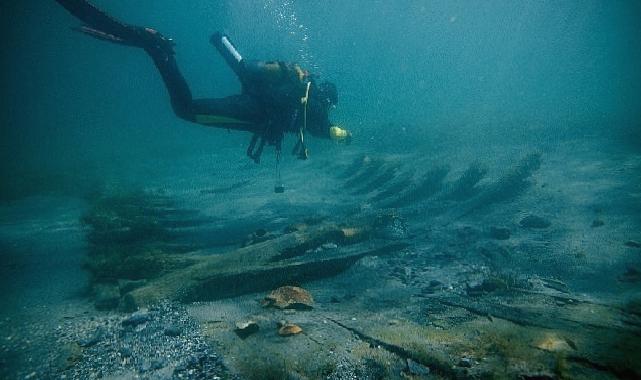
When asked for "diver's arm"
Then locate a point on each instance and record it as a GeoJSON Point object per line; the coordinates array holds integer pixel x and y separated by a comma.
{"type": "Point", "coordinates": [332, 132]}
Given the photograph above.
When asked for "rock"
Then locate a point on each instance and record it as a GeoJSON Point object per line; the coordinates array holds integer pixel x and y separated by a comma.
{"type": "Point", "coordinates": [137, 318]}
{"type": "Point", "coordinates": [553, 343]}
{"type": "Point", "coordinates": [125, 286]}
{"type": "Point", "coordinates": [245, 328]}
{"type": "Point", "coordinates": [433, 287]}
{"type": "Point", "coordinates": [289, 329]}
{"type": "Point", "coordinates": [329, 246]}
{"type": "Point", "coordinates": [499, 233]}
{"type": "Point", "coordinates": [93, 339]}
{"type": "Point", "coordinates": [417, 369]}
{"type": "Point", "coordinates": [157, 364]}
{"type": "Point", "coordinates": [172, 330]}
{"type": "Point", "coordinates": [632, 274]}
{"type": "Point", "coordinates": [67, 356]}
{"type": "Point", "coordinates": [533, 221]}
{"type": "Point", "coordinates": [289, 297]}
{"type": "Point", "coordinates": [152, 365]}
{"type": "Point", "coordinates": [632, 244]}
{"type": "Point", "coordinates": [106, 296]}
{"type": "Point", "coordinates": [597, 223]}
{"type": "Point", "coordinates": [125, 351]}
{"type": "Point", "coordinates": [258, 236]}
{"type": "Point", "coordinates": [487, 286]}
{"type": "Point", "coordinates": [465, 363]}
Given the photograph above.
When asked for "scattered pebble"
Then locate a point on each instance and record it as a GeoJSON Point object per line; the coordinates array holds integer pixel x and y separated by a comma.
{"type": "Point", "coordinates": [153, 352]}
{"type": "Point", "coordinates": [137, 318]}
{"type": "Point", "coordinates": [533, 221]}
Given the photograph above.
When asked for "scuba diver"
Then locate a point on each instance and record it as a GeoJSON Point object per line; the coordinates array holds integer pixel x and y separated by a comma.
{"type": "Point", "coordinates": [277, 97]}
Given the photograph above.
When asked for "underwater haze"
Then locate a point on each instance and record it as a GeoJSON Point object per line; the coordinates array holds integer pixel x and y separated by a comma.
{"type": "Point", "coordinates": [484, 221]}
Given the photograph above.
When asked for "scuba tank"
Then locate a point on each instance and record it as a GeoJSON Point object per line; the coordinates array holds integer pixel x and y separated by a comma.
{"type": "Point", "coordinates": [230, 54]}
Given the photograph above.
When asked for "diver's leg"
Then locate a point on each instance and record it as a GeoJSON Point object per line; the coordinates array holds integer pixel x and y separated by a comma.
{"type": "Point", "coordinates": [93, 16]}
{"type": "Point", "coordinates": [177, 87]}
{"type": "Point", "coordinates": [159, 48]}
{"type": "Point", "coordinates": [238, 112]}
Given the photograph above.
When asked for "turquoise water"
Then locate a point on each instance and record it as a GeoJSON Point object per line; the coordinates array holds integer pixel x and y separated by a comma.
{"type": "Point", "coordinates": [422, 84]}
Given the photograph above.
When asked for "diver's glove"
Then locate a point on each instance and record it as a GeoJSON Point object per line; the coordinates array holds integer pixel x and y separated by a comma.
{"type": "Point", "coordinates": [340, 135]}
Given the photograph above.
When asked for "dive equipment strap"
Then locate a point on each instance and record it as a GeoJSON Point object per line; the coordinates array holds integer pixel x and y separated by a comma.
{"type": "Point", "coordinates": [278, 187]}
{"type": "Point", "coordinates": [300, 149]}
{"type": "Point", "coordinates": [254, 152]}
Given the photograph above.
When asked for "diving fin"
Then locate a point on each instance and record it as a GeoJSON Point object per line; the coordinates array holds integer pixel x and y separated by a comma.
{"type": "Point", "coordinates": [100, 35]}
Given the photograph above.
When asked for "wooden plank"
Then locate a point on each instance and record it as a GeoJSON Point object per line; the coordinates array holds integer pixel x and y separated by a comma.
{"type": "Point", "coordinates": [287, 259]}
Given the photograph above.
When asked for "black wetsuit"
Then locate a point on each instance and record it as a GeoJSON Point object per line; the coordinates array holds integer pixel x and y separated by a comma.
{"type": "Point", "coordinates": [269, 105]}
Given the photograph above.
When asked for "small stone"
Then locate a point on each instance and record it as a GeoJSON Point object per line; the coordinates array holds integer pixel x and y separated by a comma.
{"type": "Point", "coordinates": [125, 351]}
{"type": "Point", "coordinates": [126, 286]}
{"type": "Point", "coordinates": [632, 244]}
{"type": "Point", "coordinates": [417, 369]}
{"type": "Point", "coordinates": [553, 343]}
{"type": "Point", "coordinates": [157, 364]}
{"type": "Point", "coordinates": [245, 328]}
{"type": "Point", "coordinates": [465, 363]}
{"type": "Point", "coordinates": [488, 285]}
{"type": "Point", "coordinates": [172, 330]}
{"type": "Point", "coordinates": [106, 296]}
{"type": "Point", "coordinates": [137, 318]}
{"type": "Point", "coordinates": [67, 356]}
{"type": "Point", "coordinates": [93, 339]}
{"type": "Point", "coordinates": [499, 233]}
{"type": "Point", "coordinates": [533, 221]}
{"type": "Point", "coordinates": [597, 223]}
{"type": "Point", "coordinates": [289, 329]}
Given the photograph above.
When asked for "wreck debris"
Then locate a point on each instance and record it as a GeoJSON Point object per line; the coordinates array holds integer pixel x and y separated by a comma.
{"type": "Point", "coordinates": [289, 297]}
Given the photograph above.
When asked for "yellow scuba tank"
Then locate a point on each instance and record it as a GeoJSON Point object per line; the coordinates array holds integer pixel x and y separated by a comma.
{"type": "Point", "coordinates": [339, 134]}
